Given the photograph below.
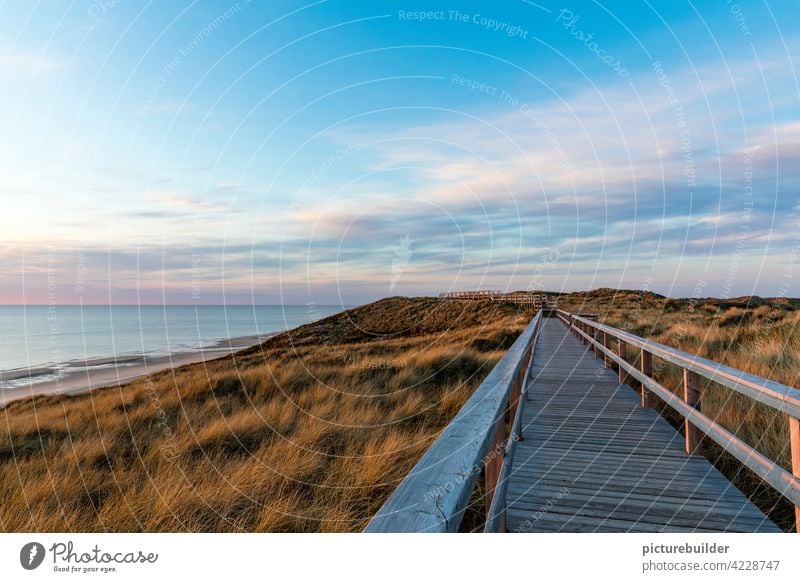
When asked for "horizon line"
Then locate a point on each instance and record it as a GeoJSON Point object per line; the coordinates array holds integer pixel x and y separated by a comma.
{"type": "Point", "coordinates": [180, 304]}
{"type": "Point", "coordinates": [432, 296]}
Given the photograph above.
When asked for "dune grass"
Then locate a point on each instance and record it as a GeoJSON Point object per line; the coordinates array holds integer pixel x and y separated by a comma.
{"type": "Point", "coordinates": [757, 335]}
{"type": "Point", "coordinates": [312, 430]}
{"type": "Point", "coordinates": [309, 432]}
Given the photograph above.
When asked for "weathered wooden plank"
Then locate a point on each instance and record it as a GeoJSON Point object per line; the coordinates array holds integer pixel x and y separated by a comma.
{"type": "Point", "coordinates": [496, 508]}
{"type": "Point", "coordinates": [731, 505]}
{"type": "Point", "coordinates": [701, 491]}
{"type": "Point", "coordinates": [494, 466]}
{"type": "Point", "coordinates": [620, 452]}
{"type": "Point", "coordinates": [558, 522]}
{"type": "Point", "coordinates": [794, 443]}
{"type": "Point", "coordinates": [646, 367]}
{"type": "Point", "coordinates": [691, 395]}
{"type": "Point", "coordinates": [622, 351]}
{"type": "Point", "coordinates": [543, 459]}
{"type": "Point", "coordinates": [615, 507]}
{"type": "Point", "coordinates": [709, 518]}
{"type": "Point", "coordinates": [532, 475]}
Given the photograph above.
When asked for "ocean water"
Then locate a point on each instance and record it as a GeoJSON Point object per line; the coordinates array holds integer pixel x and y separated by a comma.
{"type": "Point", "coordinates": [42, 336]}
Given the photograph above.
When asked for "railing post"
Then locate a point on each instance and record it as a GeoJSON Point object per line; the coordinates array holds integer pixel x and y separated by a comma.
{"type": "Point", "coordinates": [794, 439]}
{"type": "Point", "coordinates": [530, 364]}
{"type": "Point", "coordinates": [519, 385]}
{"type": "Point", "coordinates": [622, 352]}
{"type": "Point", "coordinates": [691, 395]}
{"type": "Point", "coordinates": [607, 345]}
{"type": "Point", "coordinates": [494, 463]}
{"type": "Point", "coordinates": [596, 336]}
{"type": "Point", "coordinates": [646, 366]}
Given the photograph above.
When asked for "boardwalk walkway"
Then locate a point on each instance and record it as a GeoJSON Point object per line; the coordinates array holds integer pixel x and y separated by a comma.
{"type": "Point", "coordinates": [594, 460]}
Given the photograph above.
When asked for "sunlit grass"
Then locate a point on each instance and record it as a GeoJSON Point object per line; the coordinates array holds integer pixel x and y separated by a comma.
{"type": "Point", "coordinates": [310, 432]}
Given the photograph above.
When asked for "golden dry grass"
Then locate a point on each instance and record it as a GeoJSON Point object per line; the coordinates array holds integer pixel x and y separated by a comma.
{"type": "Point", "coordinates": [309, 432]}
{"type": "Point", "coordinates": [312, 430]}
{"type": "Point", "coordinates": [759, 336]}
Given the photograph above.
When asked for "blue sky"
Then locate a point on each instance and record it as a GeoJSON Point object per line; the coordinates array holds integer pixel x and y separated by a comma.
{"type": "Point", "coordinates": [336, 151]}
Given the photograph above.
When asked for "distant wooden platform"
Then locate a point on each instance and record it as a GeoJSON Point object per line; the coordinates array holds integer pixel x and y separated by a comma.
{"type": "Point", "coordinates": [536, 300]}
{"type": "Point", "coordinates": [593, 460]}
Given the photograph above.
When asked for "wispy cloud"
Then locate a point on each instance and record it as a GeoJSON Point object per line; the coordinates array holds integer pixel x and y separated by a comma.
{"type": "Point", "coordinates": [171, 200]}
{"type": "Point", "coordinates": [627, 174]}
{"type": "Point", "coordinates": [22, 64]}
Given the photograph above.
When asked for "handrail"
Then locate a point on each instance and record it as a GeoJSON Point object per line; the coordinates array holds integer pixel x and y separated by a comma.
{"type": "Point", "coordinates": [774, 394]}
{"type": "Point", "coordinates": [778, 396]}
{"type": "Point", "coordinates": [437, 491]}
{"type": "Point", "coordinates": [496, 516]}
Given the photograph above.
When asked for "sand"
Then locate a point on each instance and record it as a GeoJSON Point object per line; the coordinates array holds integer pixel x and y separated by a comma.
{"type": "Point", "coordinates": [84, 375]}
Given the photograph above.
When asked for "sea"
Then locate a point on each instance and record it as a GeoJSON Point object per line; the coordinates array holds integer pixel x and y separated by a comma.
{"type": "Point", "coordinates": [37, 341]}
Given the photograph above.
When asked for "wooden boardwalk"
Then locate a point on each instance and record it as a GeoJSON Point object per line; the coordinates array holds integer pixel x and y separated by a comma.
{"type": "Point", "coordinates": [583, 452]}
{"type": "Point", "coordinates": [593, 460]}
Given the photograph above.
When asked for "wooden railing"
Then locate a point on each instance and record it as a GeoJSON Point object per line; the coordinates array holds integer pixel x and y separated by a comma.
{"type": "Point", "coordinates": [435, 494]}
{"type": "Point", "coordinates": [778, 396]}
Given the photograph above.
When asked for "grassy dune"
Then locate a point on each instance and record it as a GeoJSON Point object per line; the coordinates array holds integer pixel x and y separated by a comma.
{"type": "Point", "coordinates": [313, 429]}
{"type": "Point", "coordinates": [308, 432]}
{"type": "Point", "coordinates": [760, 336]}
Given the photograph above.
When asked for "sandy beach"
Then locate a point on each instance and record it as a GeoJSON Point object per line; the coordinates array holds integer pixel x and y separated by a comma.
{"type": "Point", "coordinates": [82, 375]}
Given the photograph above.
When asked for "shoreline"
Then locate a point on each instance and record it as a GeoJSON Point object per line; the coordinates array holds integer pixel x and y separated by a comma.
{"type": "Point", "coordinates": [77, 377]}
